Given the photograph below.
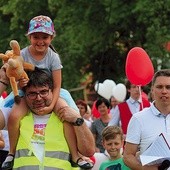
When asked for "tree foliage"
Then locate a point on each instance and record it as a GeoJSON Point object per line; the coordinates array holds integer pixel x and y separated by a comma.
{"type": "Point", "coordinates": [93, 36]}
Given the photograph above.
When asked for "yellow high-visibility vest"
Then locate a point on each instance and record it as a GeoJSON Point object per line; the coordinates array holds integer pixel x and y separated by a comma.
{"type": "Point", "coordinates": [56, 155]}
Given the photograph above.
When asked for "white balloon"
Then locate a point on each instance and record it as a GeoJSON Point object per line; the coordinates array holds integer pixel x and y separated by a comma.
{"type": "Point", "coordinates": [105, 89]}
{"type": "Point", "coordinates": [119, 92]}
{"type": "Point", "coordinates": [96, 86]}
{"type": "Point", "coordinates": [109, 83]}
{"type": "Point", "coordinates": [101, 91]}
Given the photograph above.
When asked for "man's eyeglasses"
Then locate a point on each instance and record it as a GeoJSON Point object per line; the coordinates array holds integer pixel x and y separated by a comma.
{"type": "Point", "coordinates": [33, 95]}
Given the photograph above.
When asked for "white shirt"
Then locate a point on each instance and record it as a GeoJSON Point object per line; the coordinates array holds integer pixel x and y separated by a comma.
{"type": "Point", "coordinates": [146, 125]}
{"type": "Point", "coordinates": [134, 107]}
{"type": "Point", "coordinates": [88, 122]}
{"type": "Point", "coordinates": [112, 110]}
{"type": "Point", "coordinates": [38, 137]}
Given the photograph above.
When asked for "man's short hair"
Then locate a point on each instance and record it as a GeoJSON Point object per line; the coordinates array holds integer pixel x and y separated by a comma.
{"type": "Point", "coordinates": [39, 78]}
{"type": "Point", "coordinates": [163, 72]}
{"type": "Point", "coordinates": [128, 84]}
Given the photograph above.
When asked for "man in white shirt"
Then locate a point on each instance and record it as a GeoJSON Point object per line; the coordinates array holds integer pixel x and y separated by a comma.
{"type": "Point", "coordinates": [145, 126]}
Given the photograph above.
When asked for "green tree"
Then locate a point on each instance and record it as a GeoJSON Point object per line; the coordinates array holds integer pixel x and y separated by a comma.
{"type": "Point", "coordinates": [93, 36]}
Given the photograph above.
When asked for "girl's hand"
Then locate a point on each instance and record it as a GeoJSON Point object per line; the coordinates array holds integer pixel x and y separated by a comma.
{"type": "Point", "coordinates": [45, 110]}
{"type": "Point", "coordinates": [23, 82]}
{"type": "Point", "coordinates": [68, 114]}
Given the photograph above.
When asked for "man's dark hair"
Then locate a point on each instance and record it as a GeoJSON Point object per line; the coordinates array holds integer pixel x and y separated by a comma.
{"type": "Point", "coordinates": [128, 84]}
{"type": "Point", "coordinates": [38, 78]}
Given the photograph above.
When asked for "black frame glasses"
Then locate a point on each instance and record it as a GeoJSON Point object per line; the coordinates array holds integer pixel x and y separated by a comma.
{"type": "Point", "coordinates": [42, 94]}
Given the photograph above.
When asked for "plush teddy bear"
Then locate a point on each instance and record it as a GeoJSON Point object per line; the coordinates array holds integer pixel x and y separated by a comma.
{"type": "Point", "coordinates": [15, 67]}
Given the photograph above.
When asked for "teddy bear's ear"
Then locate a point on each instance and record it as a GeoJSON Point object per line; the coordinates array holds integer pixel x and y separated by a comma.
{"type": "Point", "coordinates": [15, 47]}
{"type": "Point", "coordinates": [9, 53]}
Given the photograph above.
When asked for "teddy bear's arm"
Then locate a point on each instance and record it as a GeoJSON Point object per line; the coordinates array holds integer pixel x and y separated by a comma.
{"type": "Point", "coordinates": [4, 57]}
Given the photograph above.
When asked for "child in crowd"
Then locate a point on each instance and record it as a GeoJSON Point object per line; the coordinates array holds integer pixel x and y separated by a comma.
{"type": "Point", "coordinates": [112, 139]}
{"type": "Point", "coordinates": [40, 34]}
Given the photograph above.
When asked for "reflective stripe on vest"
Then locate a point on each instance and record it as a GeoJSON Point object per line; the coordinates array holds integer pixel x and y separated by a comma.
{"type": "Point", "coordinates": [37, 168]}
{"type": "Point", "coordinates": [52, 154]}
{"type": "Point", "coordinates": [56, 148]}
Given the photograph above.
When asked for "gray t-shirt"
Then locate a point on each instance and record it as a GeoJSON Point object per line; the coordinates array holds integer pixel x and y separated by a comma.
{"type": "Point", "coordinates": [97, 128]}
{"type": "Point", "coordinates": [51, 60]}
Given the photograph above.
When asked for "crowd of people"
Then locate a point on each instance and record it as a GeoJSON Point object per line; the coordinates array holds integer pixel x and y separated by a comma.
{"type": "Point", "coordinates": [48, 130]}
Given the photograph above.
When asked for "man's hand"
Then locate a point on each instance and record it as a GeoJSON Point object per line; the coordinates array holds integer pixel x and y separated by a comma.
{"type": "Point", "coordinates": [3, 76]}
{"type": "Point", "coordinates": [164, 165]}
{"type": "Point", "coordinates": [44, 110]}
{"type": "Point", "coordinates": [68, 114]}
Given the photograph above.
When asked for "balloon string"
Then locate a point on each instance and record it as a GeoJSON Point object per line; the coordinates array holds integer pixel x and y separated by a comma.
{"type": "Point", "coordinates": [140, 97]}
{"type": "Point", "coordinates": [97, 87]}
